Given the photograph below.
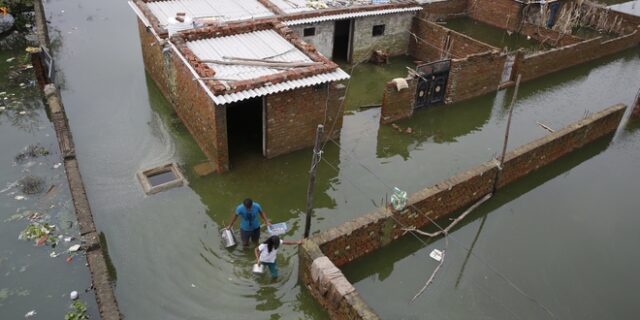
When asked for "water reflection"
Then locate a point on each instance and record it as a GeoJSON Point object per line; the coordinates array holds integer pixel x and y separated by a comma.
{"type": "Point", "coordinates": [438, 124]}
{"type": "Point", "coordinates": [381, 263]}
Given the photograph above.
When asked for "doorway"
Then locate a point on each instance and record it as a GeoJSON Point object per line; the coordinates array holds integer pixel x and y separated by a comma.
{"type": "Point", "coordinates": [245, 128]}
{"type": "Point", "coordinates": [342, 40]}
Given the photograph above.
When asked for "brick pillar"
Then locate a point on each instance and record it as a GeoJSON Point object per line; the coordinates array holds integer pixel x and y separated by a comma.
{"type": "Point", "coordinates": [398, 104]}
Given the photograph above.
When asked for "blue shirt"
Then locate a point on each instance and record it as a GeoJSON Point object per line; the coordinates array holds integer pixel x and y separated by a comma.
{"type": "Point", "coordinates": [249, 217]}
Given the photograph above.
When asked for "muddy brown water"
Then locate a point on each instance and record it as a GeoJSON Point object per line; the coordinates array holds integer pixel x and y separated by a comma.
{"type": "Point", "coordinates": [166, 248]}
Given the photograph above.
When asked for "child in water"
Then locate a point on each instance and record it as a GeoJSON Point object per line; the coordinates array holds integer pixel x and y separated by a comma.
{"type": "Point", "coordinates": [266, 253]}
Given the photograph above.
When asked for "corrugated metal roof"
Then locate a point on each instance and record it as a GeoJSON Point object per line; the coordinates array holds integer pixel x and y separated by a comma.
{"type": "Point", "coordinates": [256, 45]}
{"type": "Point", "coordinates": [350, 15]}
{"type": "Point", "coordinates": [226, 10]}
{"type": "Point", "coordinates": [337, 75]}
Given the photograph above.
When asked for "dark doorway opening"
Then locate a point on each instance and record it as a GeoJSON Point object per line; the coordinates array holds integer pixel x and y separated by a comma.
{"type": "Point", "coordinates": [342, 40]}
{"type": "Point", "coordinates": [244, 128]}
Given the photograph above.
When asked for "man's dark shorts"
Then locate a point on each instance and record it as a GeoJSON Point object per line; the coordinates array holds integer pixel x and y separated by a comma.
{"type": "Point", "coordinates": [254, 235]}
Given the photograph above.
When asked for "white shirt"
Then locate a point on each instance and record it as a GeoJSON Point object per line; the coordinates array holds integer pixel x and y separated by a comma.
{"type": "Point", "coordinates": [265, 255]}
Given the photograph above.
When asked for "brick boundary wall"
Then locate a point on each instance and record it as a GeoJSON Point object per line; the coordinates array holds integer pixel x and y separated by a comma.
{"type": "Point", "coordinates": [474, 76]}
{"type": "Point", "coordinates": [443, 10]}
{"type": "Point", "coordinates": [432, 39]}
{"type": "Point", "coordinates": [321, 255]}
{"type": "Point", "coordinates": [626, 22]}
{"type": "Point", "coordinates": [505, 14]}
{"type": "Point", "coordinates": [105, 297]}
{"type": "Point", "coordinates": [548, 36]}
{"type": "Point", "coordinates": [538, 64]}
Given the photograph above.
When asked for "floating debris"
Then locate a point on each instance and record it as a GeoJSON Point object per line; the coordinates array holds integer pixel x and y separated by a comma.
{"type": "Point", "coordinates": [30, 314]}
{"type": "Point", "coordinates": [32, 185]}
{"type": "Point", "coordinates": [20, 197]}
{"type": "Point", "coordinates": [41, 233]}
{"type": "Point", "coordinates": [11, 59]}
{"type": "Point", "coordinates": [73, 295]}
{"type": "Point", "coordinates": [57, 165]}
{"type": "Point", "coordinates": [31, 151]}
{"type": "Point", "coordinates": [74, 248]}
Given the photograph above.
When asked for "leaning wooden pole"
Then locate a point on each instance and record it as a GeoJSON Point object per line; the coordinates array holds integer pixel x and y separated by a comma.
{"type": "Point", "coordinates": [312, 178]}
{"type": "Point", "coordinates": [506, 132]}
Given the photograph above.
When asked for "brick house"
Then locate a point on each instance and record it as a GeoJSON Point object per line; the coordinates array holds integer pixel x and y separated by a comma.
{"type": "Point", "coordinates": [243, 86]}
{"type": "Point", "coordinates": [350, 31]}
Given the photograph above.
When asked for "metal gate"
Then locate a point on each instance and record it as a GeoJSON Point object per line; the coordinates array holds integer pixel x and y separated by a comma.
{"type": "Point", "coordinates": [432, 83]}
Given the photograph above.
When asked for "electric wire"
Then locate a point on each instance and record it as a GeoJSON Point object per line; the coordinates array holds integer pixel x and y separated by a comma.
{"type": "Point", "coordinates": [421, 240]}
{"type": "Point", "coordinates": [493, 269]}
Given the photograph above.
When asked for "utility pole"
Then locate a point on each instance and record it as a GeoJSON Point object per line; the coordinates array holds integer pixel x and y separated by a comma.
{"type": "Point", "coordinates": [506, 133]}
{"type": "Point", "coordinates": [312, 178]}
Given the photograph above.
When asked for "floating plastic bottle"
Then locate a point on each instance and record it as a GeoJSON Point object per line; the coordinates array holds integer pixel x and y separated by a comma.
{"type": "Point", "coordinates": [398, 199]}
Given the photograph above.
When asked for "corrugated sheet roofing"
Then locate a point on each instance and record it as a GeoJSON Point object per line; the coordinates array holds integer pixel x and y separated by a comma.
{"type": "Point", "coordinates": [337, 75]}
{"type": "Point", "coordinates": [292, 6]}
{"type": "Point", "coordinates": [226, 10]}
{"type": "Point", "coordinates": [255, 45]}
{"type": "Point", "coordinates": [350, 15]}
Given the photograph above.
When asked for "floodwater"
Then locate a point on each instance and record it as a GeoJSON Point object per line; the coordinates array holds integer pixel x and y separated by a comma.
{"type": "Point", "coordinates": [167, 249]}
{"type": "Point", "coordinates": [31, 279]}
{"type": "Point", "coordinates": [493, 36]}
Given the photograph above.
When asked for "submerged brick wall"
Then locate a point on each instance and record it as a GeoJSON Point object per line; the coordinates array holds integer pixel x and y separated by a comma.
{"type": "Point", "coordinates": [505, 14]}
{"type": "Point", "coordinates": [293, 116]}
{"type": "Point", "coordinates": [395, 40]}
{"type": "Point", "coordinates": [443, 10]}
{"type": "Point", "coordinates": [548, 36]}
{"type": "Point", "coordinates": [474, 76]}
{"type": "Point", "coordinates": [396, 104]}
{"type": "Point", "coordinates": [542, 63]}
{"type": "Point", "coordinates": [367, 233]}
{"type": "Point", "coordinates": [431, 42]}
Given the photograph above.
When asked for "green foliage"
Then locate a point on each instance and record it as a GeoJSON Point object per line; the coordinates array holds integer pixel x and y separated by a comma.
{"type": "Point", "coordinates": [79, 311]}
{"type": "Point", "coordinates": [20, 10]}
{"type": "Point", "coordinates": [40, 233]}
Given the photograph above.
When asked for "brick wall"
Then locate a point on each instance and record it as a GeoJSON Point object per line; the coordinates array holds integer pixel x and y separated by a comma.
{"type": "Point", "coordinates": [542, 63]}
{"type": "Point", "coordinates": [395, 40]}
{"type": "Point", "coordinates": [367, 233]}
{"type": "Point", "coordinates": [431, 42]}
{"type": "Point", "coordinates": [328, 285]}
{"type": "Point", "coordinates": [396, 104]}
{"type": "Point", "coordinates": [548, 36]}
{"type": "Point", "coordinates": [153, 58]}
{"type": "Point", "coordinates": [443, 10]}
{"type": "Point", "coordinates": [206, 122]}
{"type": "Point", "coordinates": [614, 21]}
{"type": "Point", "coordinates": [474, 76]}
{"type": "Point", "coordinates": [505, 14]}
{"type": "Point", "coordinates": [292, 117]}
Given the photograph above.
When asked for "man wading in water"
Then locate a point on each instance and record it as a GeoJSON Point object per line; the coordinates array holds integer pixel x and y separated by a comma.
{"type": "Point", "coordinates": [249, 222]}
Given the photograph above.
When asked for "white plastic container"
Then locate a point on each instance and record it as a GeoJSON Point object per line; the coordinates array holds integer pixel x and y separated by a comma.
{"type": "Point", "coordinates": [175, 26]}
{"type": "Point", "coordinates": [258, 268]}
